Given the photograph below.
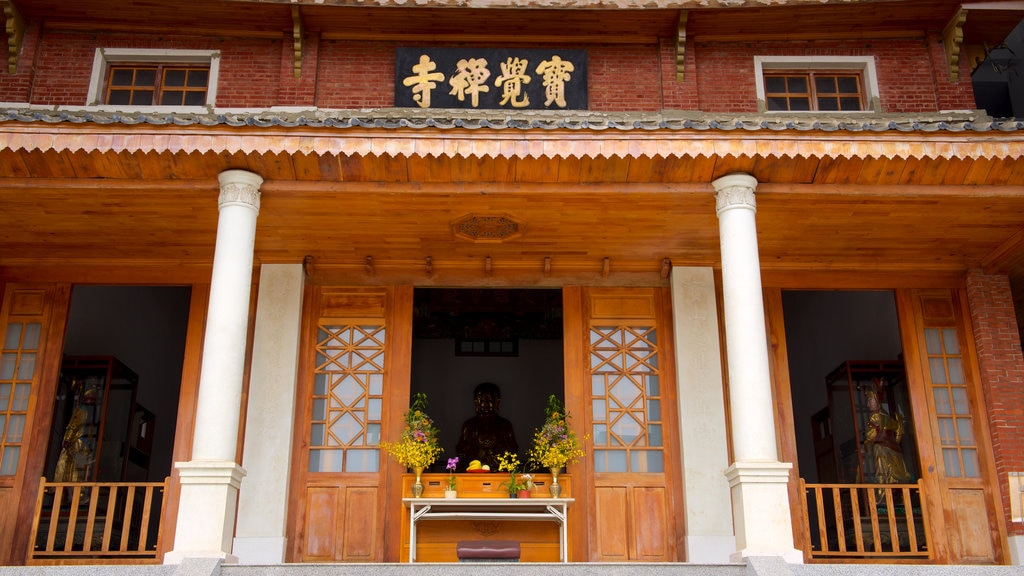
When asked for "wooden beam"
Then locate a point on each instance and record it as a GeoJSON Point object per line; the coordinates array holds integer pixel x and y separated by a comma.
{"type": "Point", "coordinates": [297, 41]}
{"type": "Point", "coordinates": [952, 40]}
{"type": "Point", "coordinates": [681, 46]}
{"type": "Point", "coordinates": [15, 28]}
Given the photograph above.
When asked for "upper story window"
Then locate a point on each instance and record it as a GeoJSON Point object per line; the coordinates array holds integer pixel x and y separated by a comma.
{"type": "Point", "coordinates": [157, 85]}
{"type": "Point", "coordinates": [816, 84]}
{"type": "Point", "coordinates": [804, 91]}
{"type": "Point", "coordinates": [165, 78]}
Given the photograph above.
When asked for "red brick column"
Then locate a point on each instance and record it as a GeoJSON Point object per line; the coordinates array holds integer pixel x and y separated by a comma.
{"type": "Point", "coordinates": [1002, 374]}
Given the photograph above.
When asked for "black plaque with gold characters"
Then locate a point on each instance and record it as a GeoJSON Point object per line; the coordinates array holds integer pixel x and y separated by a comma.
{"type": "Point", "coordinates": [491, 78]}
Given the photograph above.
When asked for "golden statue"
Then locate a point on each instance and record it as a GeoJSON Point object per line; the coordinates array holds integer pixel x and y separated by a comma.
{"type": "Point", "coordinates": [882, 442]}
{"type": "Point", "coordinates": [75, 453]}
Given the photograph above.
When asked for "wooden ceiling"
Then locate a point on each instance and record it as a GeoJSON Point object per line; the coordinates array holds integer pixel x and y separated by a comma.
{"type": "Point", "coordinates": [83, 211]}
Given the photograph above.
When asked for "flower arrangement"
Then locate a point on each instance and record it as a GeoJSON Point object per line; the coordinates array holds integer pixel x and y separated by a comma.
{"type": "Point", "coordinates": [452, 463]}
{"type": "Point", "coordinates": [555, 444]}
{"type": "Point", "coordinates": [509, 462]}
{"type": "Point", "coordinates": [417, 447]}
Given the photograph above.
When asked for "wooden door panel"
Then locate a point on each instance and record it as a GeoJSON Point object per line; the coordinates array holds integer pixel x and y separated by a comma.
{"type": "Point", "coordinates": [971, 534]}
{"type": "Point", "coordinates": [321, 519]}
{"type": "Point", "coordinates": [650, 523]}
{"type": "Point", "coordinates": [612, 516]}
{"type": "Point", "coordinates": [361, 512]}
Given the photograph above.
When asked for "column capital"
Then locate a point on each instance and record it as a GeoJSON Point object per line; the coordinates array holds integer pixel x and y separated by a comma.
{"type": "Point", "coordinates": [239, 188]}
{"type": "Point", "coordinates": [735, 191]}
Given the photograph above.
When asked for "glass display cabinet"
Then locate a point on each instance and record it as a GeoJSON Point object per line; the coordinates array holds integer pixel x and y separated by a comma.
{"type": "Point", "coordinates": [848, 420]}
{"type": "Point", "coordinates": [93, 432]}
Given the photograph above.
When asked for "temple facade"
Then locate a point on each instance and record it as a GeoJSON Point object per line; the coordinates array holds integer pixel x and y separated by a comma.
{"type": "Point", "coordinates": [767, 254]}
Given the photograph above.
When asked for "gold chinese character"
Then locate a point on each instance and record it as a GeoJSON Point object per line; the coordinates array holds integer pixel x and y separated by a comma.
{"type": "Point", "coordinates": [423, 82]}
{"type": "Point", "coordinates": [473, 74]}
{"type": "Point", "coordinates": [513, 76]}
{"type": "Point", "coordinates": [556, 74]}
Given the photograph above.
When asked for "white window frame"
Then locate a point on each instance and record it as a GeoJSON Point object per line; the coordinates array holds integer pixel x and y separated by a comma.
{"type": "Point", "coordinates": [865, 65]}
{"type": "Point", "coordinates": [107, 57]}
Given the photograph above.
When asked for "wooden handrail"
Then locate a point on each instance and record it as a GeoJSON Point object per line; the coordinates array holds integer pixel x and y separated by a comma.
{"type": "Point", "coordinates": [97, 522]}
{"type": "Point", "coordinates": [870, 521]}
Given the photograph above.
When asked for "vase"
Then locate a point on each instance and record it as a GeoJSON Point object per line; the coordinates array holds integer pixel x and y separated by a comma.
{"type": "Point", "coordinates": [555, 488]}
{"type": "Point", "coordinates": [524, 493]}
{"type": "Point", "coordinates": [417, 487]}
{"type": "Point", "coordinates": [450, 494]}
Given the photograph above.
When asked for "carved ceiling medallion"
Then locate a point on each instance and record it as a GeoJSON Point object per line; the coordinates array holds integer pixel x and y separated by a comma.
{"type": "Point", "coordinates": [487, 227]}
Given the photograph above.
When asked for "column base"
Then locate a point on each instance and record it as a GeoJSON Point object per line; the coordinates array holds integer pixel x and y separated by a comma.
{"type": "Point", "coordinates": [261, 551]}
{"type": "Point", "coordinates": [206, 510]}
{"type": "Point", "coordinates": [710, 549]}
{"type": "Point", "coordinates": [760, 509]}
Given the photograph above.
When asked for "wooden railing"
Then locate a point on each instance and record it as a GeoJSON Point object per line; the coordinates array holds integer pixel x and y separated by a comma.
{"type": "Point", "coordinates": [886, 522]}
{"type": "Point", "coordinates": [97, 522]}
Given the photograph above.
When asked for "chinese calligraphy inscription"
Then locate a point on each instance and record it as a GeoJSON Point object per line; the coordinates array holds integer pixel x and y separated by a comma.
{"type": "Point", "coordinates": [520, 78]}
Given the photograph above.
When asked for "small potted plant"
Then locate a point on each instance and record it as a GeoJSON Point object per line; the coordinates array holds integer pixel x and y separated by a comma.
{"type": "Point", "coordinates": [417, 447]}
{"type": "Point", "coordinates": [451, 492]}
{"type": "Point", "coordinates": [518, 485]}
{"type": "Point", "coordinates": [555, 444]}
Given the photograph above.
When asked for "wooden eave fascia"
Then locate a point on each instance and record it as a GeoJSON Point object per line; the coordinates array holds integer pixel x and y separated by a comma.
{"type": "Point", "coordinates": [570, 4]}
{"type": "Point", "coordinates": [537, 144]}
{"type": "Point", "coordinates": [14, 27]}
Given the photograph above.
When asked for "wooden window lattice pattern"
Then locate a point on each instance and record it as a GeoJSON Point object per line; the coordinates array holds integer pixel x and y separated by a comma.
{"type": "Point", "coordinates": [17, 369]}
{"type": "Point", "coordinates": [348, 398]}
{"type": "Point", "coordinates": [166, 86]}
{"type": "Point", "coordinates": [824, 92]}
{"type": "Point", "coordinates": [952, 407]}
{"type": "Point", "coordinates": [626, 399]}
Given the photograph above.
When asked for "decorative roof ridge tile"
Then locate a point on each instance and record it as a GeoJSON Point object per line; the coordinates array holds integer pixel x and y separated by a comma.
{"type": "Point", "coordinates": [445, 119]}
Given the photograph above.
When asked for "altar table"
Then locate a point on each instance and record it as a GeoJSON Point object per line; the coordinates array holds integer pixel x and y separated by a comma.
{"type": "Point", "coordinates": [513, 509]}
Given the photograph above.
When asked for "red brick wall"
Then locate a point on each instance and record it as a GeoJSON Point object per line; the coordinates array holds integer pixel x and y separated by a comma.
{"type": "Point", "coordinates": [625, 77]}
{"type": "Point", "coordinates": [1002, 373]}
{"type": "Point", "coordinates": [356, 74]}
{"type": "Point", "coordinates": [250, 68]}
{"type": "Point", "coordinates": [725, 71]}
{"type": "Point", "coordinates": [256, 73]}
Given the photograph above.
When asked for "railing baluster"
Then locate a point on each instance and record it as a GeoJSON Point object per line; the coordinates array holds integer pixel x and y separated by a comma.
{"type": "Point", "coordinates": [858, 518]}
{"type": "Point", "coordinates": [111, 510]}
{"type": "Point", "coordinates": [890, 509]}
{"type": "Point", "coordinates": [837, 507]}
{"type": "Point", "coordinates": [129, 506]}
{"type": "Point", "coordinates": [147, 506]}
{"type": "Point", "coordinates": [822, 524]}
{"type": "Point", "coordinates": [908, 518]}
{"type": "Point", "coordinates": [90, 523]}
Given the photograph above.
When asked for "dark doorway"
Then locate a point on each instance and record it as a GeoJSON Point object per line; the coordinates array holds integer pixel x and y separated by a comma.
{"type": "Point", "coordinates": [841, 345]}
{"type": "Point", "coordinates": [121, 374]}
{"type": "Point", "coordinates": [511, 337]}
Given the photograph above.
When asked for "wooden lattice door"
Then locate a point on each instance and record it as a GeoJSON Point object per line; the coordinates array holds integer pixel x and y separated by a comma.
{"type": "Point", "coordinates": [341, 490]}
{"type": "Point", "coordinates": [632, 420]}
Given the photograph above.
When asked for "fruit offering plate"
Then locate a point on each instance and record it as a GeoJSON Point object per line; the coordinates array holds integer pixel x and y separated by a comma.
{"type": "Point", "coordinates": [478, 471]}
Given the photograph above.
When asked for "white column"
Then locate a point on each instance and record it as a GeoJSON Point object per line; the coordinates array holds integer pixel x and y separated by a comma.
{"type": "Point", "coordinates": [758, 480]}
{"type": "Point", "coordinates": [263, 505]}
{"type": "Point", "coordinates": [702, 425]}
{"type": "Point", "coordinates": [210, 481]}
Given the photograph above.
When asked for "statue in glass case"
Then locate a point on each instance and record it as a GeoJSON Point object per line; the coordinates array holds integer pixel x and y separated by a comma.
{"type": "Point", "coordinates": [882, 439]}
